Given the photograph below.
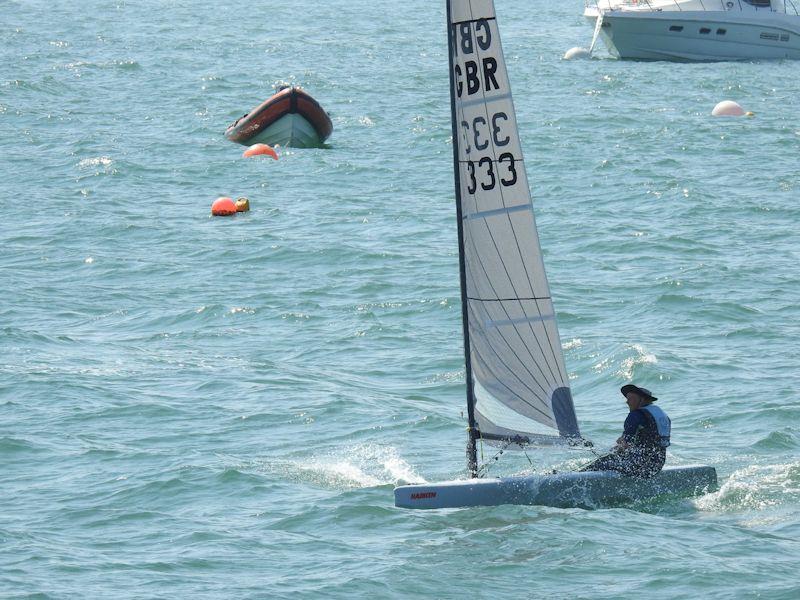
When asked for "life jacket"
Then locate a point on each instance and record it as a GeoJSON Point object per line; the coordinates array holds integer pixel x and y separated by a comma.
{"type": "Point", "coordinates": [656, 433]}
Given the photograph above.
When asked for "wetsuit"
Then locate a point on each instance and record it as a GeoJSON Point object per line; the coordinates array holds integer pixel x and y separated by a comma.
{"type": "Point", "coordinates": [646, 432]}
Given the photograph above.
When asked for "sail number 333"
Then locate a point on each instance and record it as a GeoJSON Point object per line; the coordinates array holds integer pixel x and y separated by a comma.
{"type": "Point", "coordinates": [485, 170]}
{"type": "Point", "coordinates": [478, 135]}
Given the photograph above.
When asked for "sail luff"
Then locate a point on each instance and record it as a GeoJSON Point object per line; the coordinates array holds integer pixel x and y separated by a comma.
{"type": "Point", "coordinates": [472, 453]}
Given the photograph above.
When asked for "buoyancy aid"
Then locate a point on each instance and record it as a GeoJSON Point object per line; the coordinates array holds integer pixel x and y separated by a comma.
{"type": "Point", "coordinates": [658, 429]}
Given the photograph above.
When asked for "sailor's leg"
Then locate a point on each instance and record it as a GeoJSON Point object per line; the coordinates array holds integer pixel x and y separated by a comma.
{"type": "Point", "coordinates": [641, 462]}
{"type": "Point", "coordinates": [651, 463]}
{"type": "Point", "coordinates": [609, 462]}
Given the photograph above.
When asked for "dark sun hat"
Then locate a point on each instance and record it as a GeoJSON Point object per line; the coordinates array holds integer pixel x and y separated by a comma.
{"type": "Point", "coordinates": [643, 392]}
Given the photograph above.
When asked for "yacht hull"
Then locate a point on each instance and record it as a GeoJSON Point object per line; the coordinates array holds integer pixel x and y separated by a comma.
{"type": "Point", "coordinates": [591, 489]}
{"type": "Point", "coordinates": [698, 36]}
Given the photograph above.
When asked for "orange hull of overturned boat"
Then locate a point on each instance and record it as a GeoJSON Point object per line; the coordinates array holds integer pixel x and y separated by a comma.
{"type": "Point", "coordinates": [289, 118]}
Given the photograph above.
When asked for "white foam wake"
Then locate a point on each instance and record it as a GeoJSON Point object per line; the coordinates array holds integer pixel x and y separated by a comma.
{"type": "Point", "coordinates": [359, 466]}
{"type": "Point", "coordinates": [756, 487]}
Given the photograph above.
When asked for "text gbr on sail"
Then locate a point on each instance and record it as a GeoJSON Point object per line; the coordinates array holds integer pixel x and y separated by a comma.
{"type": "Point", "coordinates": [478, 73]}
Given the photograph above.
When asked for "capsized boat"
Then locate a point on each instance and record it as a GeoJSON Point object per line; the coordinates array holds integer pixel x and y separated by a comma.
{"type": "Point", "coordinates": [291, 117]}
{"type": "Point", "coordinates": [517, 387]}
{"type": "Point", "coordinates": [698, 30]}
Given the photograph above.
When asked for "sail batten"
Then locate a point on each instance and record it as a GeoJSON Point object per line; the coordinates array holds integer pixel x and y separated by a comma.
{"type": "Point", "coordinates": [518, 321]}
{"type": "Point", "coordinates": [517, 382]}
{"type": "Point", "coordinates": [497, 211]}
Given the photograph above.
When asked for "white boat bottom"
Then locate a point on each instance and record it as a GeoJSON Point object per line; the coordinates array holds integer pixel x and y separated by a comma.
{"type": "Point", "coordinates": [592, 489]}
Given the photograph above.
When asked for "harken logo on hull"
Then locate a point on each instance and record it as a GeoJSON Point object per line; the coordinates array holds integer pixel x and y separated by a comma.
{"type": "Point", "coordinates": [423, 495]}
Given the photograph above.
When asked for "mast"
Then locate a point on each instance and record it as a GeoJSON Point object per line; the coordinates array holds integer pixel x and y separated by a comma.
{"type": "Point", "coordinates": [472, 453]}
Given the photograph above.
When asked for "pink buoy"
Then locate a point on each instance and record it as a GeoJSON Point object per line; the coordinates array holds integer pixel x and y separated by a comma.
{"type": "Point", "coordinates": [727, 108]}
{"type": "Point", "coordinates": [259, 150]}
{"type": "Point", "coordinates": [223, 207]}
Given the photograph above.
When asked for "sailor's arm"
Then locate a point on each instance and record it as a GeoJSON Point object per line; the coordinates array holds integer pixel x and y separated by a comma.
{"type": "Point", "coordinates": [632, 424]}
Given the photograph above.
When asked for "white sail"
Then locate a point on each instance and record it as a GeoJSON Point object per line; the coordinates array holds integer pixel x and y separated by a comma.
{"type": "Point", "coordinates": [519, 386]}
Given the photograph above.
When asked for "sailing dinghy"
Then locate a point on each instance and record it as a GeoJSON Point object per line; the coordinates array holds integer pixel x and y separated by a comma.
{"type": "Point", "coordinates": [518, 392]}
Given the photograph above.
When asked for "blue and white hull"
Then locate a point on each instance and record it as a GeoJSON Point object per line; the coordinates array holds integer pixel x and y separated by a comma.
{"type": "Point", "coordinates": [591, 489]}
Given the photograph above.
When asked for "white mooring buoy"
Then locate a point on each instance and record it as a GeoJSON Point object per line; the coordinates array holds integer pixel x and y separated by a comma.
{"type": "Point", "coordinates": [727, 108]}
{"type": "Point", "coordinates": [577, 52]}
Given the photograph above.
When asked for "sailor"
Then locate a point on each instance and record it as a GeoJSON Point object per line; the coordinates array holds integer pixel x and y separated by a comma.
{"type": "Point", "coordinates": [642, 448]}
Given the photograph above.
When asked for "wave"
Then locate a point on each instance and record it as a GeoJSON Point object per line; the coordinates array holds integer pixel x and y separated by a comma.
{"type": "Point", "coordinates": [757, 487]}
{"type": "Point", "coordinates": [634, 359]}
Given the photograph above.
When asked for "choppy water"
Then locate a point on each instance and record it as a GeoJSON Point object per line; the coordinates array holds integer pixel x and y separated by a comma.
{"type": "Point", "coordinates": [198, 407]}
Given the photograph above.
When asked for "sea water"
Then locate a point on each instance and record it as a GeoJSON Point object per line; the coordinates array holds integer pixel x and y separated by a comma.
{"type": "Point", "coordinates": [220, 408]}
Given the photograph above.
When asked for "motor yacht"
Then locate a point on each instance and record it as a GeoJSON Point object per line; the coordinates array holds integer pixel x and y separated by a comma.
{"type": "Point", "coordinates": [698, 30]}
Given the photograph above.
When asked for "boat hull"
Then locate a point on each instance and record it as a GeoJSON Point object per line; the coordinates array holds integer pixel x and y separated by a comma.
{"type": "Point", "coordinates": [289, 118]}
{"type": "Point", "coordinates": [290, 130]}
{"type": "Point", "coordinates": [591, 489]}
{"type": "Point", "coordinates": [699, 36]}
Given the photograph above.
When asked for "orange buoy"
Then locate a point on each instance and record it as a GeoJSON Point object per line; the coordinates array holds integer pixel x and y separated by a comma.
{"type": "Point", "coordinates": [242, 204]}
{"type": "Point", "coordinates": [223, 207]}
{"type": "Point", "coordinates": [259, 149]}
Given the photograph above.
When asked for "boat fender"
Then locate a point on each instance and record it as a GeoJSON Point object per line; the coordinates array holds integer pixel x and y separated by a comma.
{"type": "Point", "coordinates": [223, 207]}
